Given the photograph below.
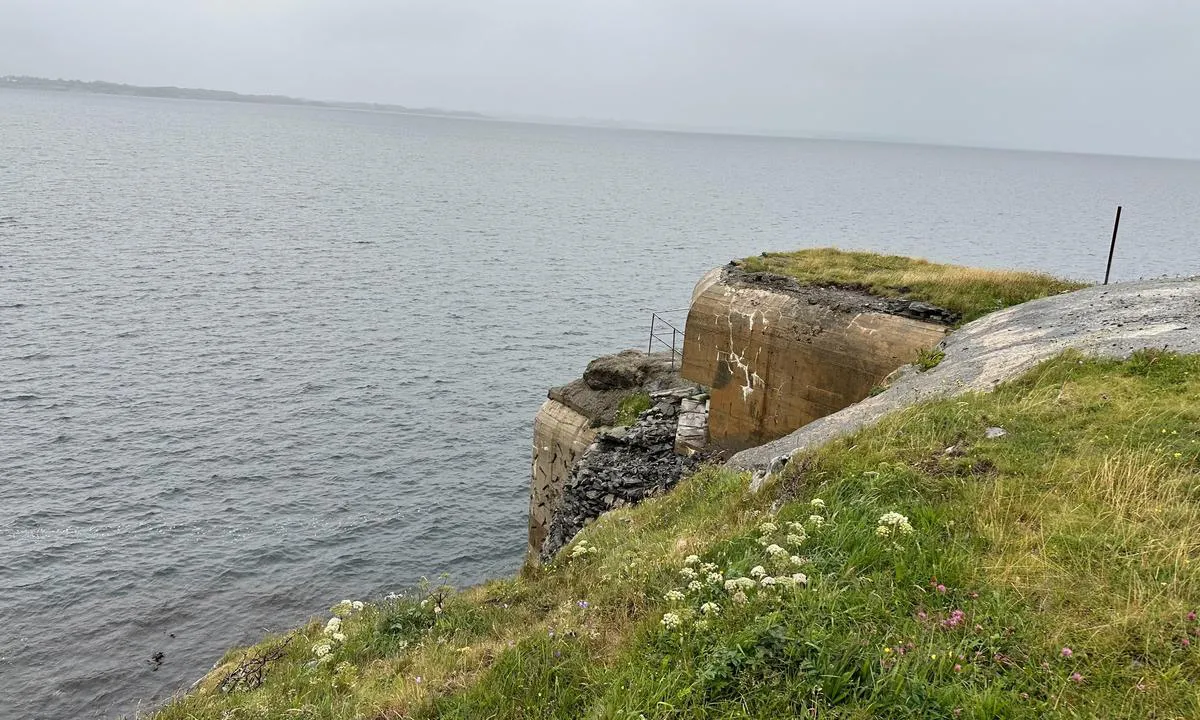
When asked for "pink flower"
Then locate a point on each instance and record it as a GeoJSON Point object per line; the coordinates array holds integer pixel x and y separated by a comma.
{"type": "Point", "coordinates": [1067, 652]}
{"type": "Point", "coordinates": [1186, 642]}
{"type": "Point", "coordinates": [921, 614]}
{"type": "Point", "coordinates": [1191, 616]}
{"type": "Point", "coordinates": [1076, 678]}
{"type": "Point", "coordinates": [941, 588]}
{"type": "Point", "coordinates": [957, 667]}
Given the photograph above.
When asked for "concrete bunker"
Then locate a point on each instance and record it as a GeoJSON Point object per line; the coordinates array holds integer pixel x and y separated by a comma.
{"type": "Point", "coordinates": [777, 354]}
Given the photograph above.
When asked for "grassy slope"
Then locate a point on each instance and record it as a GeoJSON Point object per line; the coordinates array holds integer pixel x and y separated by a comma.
{"type": "Point", "coordinates": [970, 292]}
{"type": "Point", "coordinates": [1077, 529]}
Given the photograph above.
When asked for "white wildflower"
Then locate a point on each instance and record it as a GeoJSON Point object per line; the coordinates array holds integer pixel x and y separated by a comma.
{"type": "Point", "coordinates": [768, 582]}
{"type": "Point", "coordinates": [797, 560]}
{"type": "Point", "coordinates": [883, 531]}
{"type": "Point", "coordinates": [710, 608]}
{"type": "Point", "coordinates": [582, 548]}
{"type": "Point", "coordinates": [795, 539]}
{"type": "Point", "coordinates": [758, 571]}
{"type": "Point", "coordinates": [817, 503]}
{"type": "Point", "coordinates": [800, 579]}
{"type": "Point", "coordinates": [816, 520]}
{"type": "Point", "coordinates": [739, 598]}
{"type": "Point", "coordinates": [322, 649]}
{"type": "Point", "coordinates": [765, 540]}
{"type": "Point", "coordinates": [695, 585]}
{"type": "Point", "coordinates": [715, 578]}
{"type": "Point", "coordinates": [691, 560]}
{"type": "Point", "coordinates": [796, 527]}
{"type": "Point", "coordinates": [688, 573]}
{"type": "Point", "coordinates": [701, 624]}
{"type": "Point", "coordinates": [671, 621]}
{"type": "Point", "coordinates": [673, 596]}
{"type": "Point", "coordinates": [741, 583]}
{"type": "Point", "coordinates": [767, 528]}
{"type": "Point", "coordinates": [708, 568]}
{"type": "Point", "coordinates": [896, 522]}
{"type": "Point", "coordinates": [357, 605]}
{"type": "Point", "coordinates": [338, 637]}
{"type": "Point", "coordinates": [775, 550]}
{"type": "Point", "coordinates": [783, 581]}
{"type": "Point", "coordinates": [334, 624]}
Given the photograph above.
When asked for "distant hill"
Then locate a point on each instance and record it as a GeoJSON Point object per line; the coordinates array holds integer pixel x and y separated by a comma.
{"type": "Point", "coordinates": [107, 88]}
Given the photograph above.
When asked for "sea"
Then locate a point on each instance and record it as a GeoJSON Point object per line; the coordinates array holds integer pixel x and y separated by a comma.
{"type": "Point", "coordinates": [257, 359]}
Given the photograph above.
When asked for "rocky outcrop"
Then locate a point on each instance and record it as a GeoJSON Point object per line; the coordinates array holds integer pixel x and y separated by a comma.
{"type": "Point", "coordinates": [777, 355]}
{"type": "Point", "coordinates": [567, 423]}
{"type": "Point", "coordinates": [623, 466]}
{"type": "Point", "coordinates": [1108, 321]}
{"type": "Point", "coordinates": [611, 378]}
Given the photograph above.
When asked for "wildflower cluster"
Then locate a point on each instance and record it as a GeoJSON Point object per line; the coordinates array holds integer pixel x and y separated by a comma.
{"type": "Point", "coordinates": [333, 634]}
{"type": "Point", "coordinates": [893, 523]}
{"type": "Point", "coordinates": [582, 548]}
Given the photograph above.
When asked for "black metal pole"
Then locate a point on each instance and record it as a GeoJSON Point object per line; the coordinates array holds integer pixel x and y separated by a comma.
{"type": "Point", "coordinates": [650, 343]}
{"type": "Point", "coordinates": [1113, 246]}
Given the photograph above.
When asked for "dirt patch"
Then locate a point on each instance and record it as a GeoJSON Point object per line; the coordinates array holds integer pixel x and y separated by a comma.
{"type": "Point", "coordinates": [841, 298]}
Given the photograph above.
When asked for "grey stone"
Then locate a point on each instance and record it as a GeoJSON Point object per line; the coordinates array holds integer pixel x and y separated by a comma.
{"type": "Point", "coordinates": [598, 395]}
{"type": "Point", "coordinates": [994, 432]}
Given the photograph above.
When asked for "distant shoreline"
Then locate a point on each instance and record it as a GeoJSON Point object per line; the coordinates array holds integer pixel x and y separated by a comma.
{"type": "Point", "coordinates": [21, 82]}
{"type": "Point", "coordinates": [100, 87]}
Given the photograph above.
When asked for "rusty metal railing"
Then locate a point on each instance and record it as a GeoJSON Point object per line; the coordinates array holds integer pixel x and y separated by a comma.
{"type": "Point", "coordinates": [660, 330]}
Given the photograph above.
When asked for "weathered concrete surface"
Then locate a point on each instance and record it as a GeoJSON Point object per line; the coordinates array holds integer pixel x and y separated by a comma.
{"type": "Point", "coordinates": [1112, 321]}
{"type": "Point", "coordinates": [691, 431]}
{"type": "Point", "coordinates": [560, 436]}
{"type": "Point", "coordinates": [778, 355]}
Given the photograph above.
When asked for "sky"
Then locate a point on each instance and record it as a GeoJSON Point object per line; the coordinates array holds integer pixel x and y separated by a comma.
{"type": "Point", "coordinates": [1107, 76]}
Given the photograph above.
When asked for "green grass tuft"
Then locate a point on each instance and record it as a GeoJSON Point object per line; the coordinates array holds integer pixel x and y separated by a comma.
{"type": "Point", "coordinates": [929, 358]}
{"type": "Point", "coordinates": [969, 292]}
{"type": "Point", "coordinates": [631, 407]}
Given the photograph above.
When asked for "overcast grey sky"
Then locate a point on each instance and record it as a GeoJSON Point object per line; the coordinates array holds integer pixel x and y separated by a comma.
{"type": "Point", "coordinates": [1115, 76]}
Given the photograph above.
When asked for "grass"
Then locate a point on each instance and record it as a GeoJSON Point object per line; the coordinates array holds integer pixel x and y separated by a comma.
{"type": "Point", "coordinates": [929, 358]}
{"type": "Point", "coordinates": [1048, 574]}
{"type": "Point", "coordinates": [631, 407]}
{"type": "Point", "coordinates": [968, 292]}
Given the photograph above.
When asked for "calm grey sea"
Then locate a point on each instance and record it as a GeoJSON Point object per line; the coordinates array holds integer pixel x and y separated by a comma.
{"type": "Point", "coordinates": [257, 359]}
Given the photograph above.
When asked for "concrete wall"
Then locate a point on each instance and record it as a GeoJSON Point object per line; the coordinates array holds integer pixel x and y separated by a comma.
{"type": "Point", "coordinates": [560, 437]}
{"type": "Point", "coordinates": [778, 357]}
